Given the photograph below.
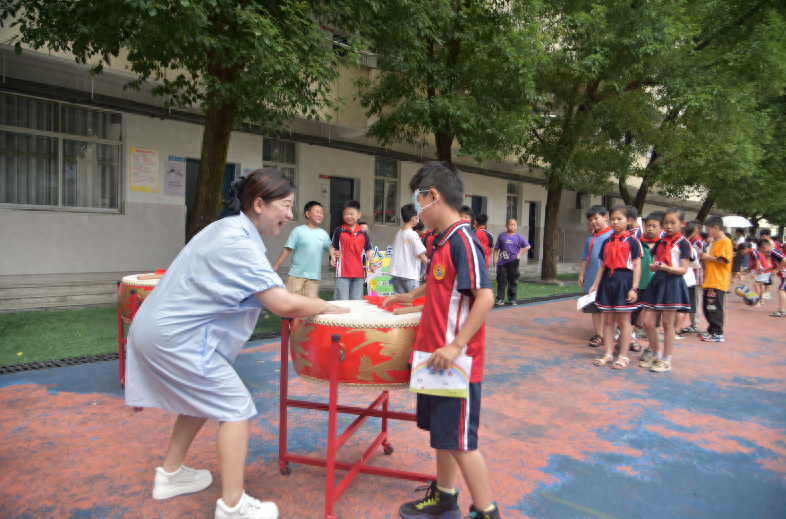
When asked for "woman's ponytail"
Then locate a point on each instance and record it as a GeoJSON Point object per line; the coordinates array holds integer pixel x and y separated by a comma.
{"type": "Point", "coordinates": [232, 203]}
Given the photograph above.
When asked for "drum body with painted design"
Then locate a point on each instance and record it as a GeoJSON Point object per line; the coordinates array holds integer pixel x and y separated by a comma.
{"type": "Point", "coordinates": [375, 346]}
{"type": "Point", "coordinates": [143, 288]}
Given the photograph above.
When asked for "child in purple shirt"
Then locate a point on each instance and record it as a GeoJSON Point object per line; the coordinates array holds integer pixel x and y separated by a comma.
{"type": "Point", "coordinates": [509, 248]}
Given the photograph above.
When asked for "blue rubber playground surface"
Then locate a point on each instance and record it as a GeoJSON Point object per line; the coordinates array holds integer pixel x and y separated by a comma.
{"type": "Point", "coordinates": [562, 438]}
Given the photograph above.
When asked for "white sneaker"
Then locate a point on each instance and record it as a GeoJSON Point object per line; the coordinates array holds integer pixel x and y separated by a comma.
{"type": "Point", "coordinates": [182, 481]}
{"type": "Point", "coordinates": [247, 508]}
{"type": "Point", "coordinates": [767, 295]}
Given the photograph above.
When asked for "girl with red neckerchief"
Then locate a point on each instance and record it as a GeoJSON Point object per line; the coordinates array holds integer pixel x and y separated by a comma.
{"type": "Point", "coordinates": [617, 284]}
{"type": "Point", "coordinates": [667, 292]}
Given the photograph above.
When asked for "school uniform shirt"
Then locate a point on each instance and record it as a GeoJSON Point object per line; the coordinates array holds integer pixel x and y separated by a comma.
{"type": "Point", "coordinates": [350, 264]}
{"type": "Point", "coordinates": [455, 268]}
{"type": "Point", "coordinates": [698, 246]}
{"type": "Point", "coordinates": [486, 240]}
{"type": "Point", "coordinates": [307, 245]}
{"type": "Point", "coordinates": [634, 251]}
{"type": "Point", "coordinates": [636, 233]}
{"type": "Point", "coordinates": [405, 262]}
{"type": "Point", "coordinates": [186, 336]}
{"type": "Point", "coordinates": [591, 254]}
{"type": "Point", "coordinates": [509, 247]}
{"type": "Point", "coordinates": [717, 275]}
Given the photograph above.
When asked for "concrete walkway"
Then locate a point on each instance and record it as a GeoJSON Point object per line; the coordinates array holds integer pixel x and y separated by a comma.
{"type": "Point", "coordinates": [562, 438]}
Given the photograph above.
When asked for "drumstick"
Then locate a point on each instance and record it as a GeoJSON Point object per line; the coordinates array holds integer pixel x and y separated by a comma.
{"type": "Point", "coordinates": [407, 310]}
{"type": "Point", "coordinates": [142, 277]}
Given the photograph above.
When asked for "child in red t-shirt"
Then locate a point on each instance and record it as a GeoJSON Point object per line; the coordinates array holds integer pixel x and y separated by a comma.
{"type": "Point", "coordinates": [346, 254]}
{"type": "Point", "coordinates": [485, 238]}
{"type": "Point", "coordinates": [458, 299]}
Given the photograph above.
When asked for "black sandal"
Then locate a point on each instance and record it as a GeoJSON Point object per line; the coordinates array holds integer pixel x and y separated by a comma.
{"type": "Point", "coordinates": [595, 341]}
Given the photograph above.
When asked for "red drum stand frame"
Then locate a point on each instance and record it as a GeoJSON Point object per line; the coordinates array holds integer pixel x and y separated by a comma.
{"type": "Point", "coordinates": [121, 336]}
{"type": "Point", "coordinates": [332, 491]}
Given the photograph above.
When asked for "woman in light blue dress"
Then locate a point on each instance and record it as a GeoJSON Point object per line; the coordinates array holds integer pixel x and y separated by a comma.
{"type": "Point", "coordinates": [186, 336]}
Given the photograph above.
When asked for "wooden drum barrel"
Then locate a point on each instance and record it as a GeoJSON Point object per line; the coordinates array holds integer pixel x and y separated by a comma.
{"type": "Point", "coordinates": [375, 346]}
{"type": "Point", "coordinates": [143, 288]}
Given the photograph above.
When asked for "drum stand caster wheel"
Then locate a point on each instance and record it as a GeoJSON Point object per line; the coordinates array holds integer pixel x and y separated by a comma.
{"type": "Point", "coordinates": [285, 468]}
{"type": "Point", "coordinates": [387, 449]}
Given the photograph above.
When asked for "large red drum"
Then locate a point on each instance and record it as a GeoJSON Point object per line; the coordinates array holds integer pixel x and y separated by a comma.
{"type": "Point", "coordinates": [375, 346]}
{"type": "Point", "coordinates": [143, 288]}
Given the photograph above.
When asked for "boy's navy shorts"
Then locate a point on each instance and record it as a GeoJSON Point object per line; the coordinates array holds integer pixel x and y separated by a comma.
{"type": "Point", "coordinates": [452, 422]}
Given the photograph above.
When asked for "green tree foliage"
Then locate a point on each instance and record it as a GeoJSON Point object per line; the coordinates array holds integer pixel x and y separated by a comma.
{"type": "Point", "coordinates": [711, 128]}
{"type": "Point", "coordinates": [602, 57]}
{"type": "Point", "coordinates": [760, 195]}
{"type": "Point", "coordinates": [252, 60]}
{"type": "Point", "coordinates": [456, 69]}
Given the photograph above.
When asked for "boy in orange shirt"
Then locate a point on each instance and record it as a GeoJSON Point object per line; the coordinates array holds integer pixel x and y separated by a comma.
{"type": "Point", "coordinates": [717, 273]}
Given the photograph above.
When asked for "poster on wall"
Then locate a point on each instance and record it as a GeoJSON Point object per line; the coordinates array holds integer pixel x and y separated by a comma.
{"type": "Point", "coordinates": [175, 176]}
{"type": "Point", "coordinates": [379, 282]}
{"type": "Point", "coordinates": [145, 166]}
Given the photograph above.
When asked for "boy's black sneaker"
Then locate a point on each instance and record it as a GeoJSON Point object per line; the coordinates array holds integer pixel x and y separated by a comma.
{"type": "Point", "coordinates": [435, 505]}
{"type": "Point", "coordinates": [474, 513]}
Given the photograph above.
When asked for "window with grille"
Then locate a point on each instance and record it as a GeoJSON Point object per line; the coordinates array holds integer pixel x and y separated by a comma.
{"type": "Point", "coordinates": [385, 191]}
{"type": "Point", "coordinates": [514, 199]}
{"type": "Point", "coordinates": [54, 154]}
{"type": "Point", "coordinates": [281, 155]}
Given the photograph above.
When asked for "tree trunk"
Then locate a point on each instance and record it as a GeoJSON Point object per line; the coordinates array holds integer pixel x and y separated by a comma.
{"type": "Point", "coordinates": [444, 142]}
{"type": "Point", "coordinates": [755, 228]}
{"type": "Point", "coordinates": [624, 193]}
{"type": "Point", "coordinates": [548, 269]}
{"type": "Point", "coordinates": [706, 207]}
{"type": "Point", "coordinates": [215, 143]}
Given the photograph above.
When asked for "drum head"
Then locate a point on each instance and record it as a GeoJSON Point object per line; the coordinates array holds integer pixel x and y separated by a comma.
{"type": "Point", "coordinates": [363, 314]}
{"type": "Point", "coordinates": [134, 281]}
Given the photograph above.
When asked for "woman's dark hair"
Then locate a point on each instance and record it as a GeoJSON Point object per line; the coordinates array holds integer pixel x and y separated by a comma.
{"type": "Point", "coordinates": [269, 184]}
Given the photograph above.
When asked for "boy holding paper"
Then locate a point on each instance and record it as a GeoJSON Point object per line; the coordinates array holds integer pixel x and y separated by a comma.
{"type": "Point", "coordinates": [458, 299]}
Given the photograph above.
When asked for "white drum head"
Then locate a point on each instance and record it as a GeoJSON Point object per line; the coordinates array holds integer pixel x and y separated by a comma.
{"type": "Point", "coordinates": [365, 315]}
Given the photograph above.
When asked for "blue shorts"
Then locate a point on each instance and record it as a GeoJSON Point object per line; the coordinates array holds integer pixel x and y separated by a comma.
{"type": "Point", "coordinates": [452, 422]}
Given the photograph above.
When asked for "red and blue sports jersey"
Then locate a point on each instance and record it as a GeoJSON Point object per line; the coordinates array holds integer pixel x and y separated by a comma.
{"type": "Point", "coordinates": [350, 264]}
{"type": "Point", "coordinates": [455, 268]}
{"type": "Point", "coordinates": [755, 256]}
{"type": "Point", "coordinates": [428, 241]}
{"type": "Point", "coordinates": [777, 258]}
{"type": "Point", "coordinates": [636, 232]}
{"type": "Point", "coordinates": [486, 240]}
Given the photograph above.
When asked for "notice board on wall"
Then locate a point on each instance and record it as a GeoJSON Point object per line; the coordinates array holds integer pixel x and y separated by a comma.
{"type": "Point", "coordinates": [145, 166]}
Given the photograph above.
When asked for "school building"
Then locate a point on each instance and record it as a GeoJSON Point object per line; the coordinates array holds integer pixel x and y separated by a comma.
{"type": "Point", "coordinates": [95, 178]}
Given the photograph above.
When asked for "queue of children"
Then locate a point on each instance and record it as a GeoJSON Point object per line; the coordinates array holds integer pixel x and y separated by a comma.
{"type": "Point", "coordinates": [654, 278]}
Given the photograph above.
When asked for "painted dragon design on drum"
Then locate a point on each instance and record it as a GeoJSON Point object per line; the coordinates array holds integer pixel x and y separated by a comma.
{"type": "Point", "coordinates": [297, 351]}
{"type": "Point", "coordinates": [396, 344]}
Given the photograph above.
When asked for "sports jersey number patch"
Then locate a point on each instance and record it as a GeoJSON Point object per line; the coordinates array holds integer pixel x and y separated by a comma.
{"type": "Point", "coordinates": [439, 272]}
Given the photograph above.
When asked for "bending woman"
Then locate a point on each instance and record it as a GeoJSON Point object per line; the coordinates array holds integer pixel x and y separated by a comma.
{"type": "Point", "coordinates": [186, 336]}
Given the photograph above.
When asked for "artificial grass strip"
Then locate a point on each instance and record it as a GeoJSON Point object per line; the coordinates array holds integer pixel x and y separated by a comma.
{"type": "Point", "coordinates": [61, 334]}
